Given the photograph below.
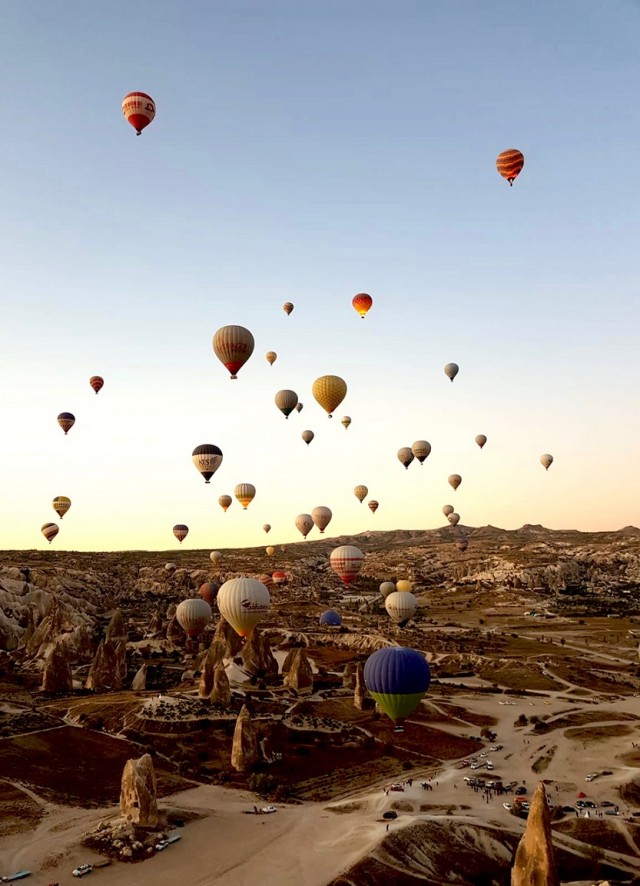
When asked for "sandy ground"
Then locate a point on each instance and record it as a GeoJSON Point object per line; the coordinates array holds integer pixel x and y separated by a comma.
{"type": "Point", "coordinates": [310, 845]}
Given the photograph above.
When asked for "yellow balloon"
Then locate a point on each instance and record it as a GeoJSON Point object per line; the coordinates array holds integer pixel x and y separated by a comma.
{"type": "Point", "coordinates": [329, 391]}
{"type": "Point", "coordinates": [403, 586]}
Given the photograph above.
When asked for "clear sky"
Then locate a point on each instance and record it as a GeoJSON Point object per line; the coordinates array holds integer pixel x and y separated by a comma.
{"type": "Point", "coordinates": [306, 151]}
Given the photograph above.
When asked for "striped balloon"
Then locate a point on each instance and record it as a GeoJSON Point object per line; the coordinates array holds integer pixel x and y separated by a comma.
{"type": "Point", "coordinates": [329, 391]}
{"type": "Point", "coordinates": [180, 531]}
{"type": "Point", "coordinates": [139, 110]}
{"type": "Point", "coordinates": [346, 561]}
{"type": "Point", "coordinates": [50, 530]}
{"type": "Point", "coordinates": [243, 602]}
{"type": "Point", "coordinates": [61, 505]}
{"type": "Point", "coordinates": [397, 678]}
{"type": "Point", "coordinates": [509, 164]}
{"type": "Point", "coordinates": [96, 382]}
{"type": "Point", "coordinates": [421, 449]}
{"type": "Point", "coordinates": [405, 456]}
{"type": "Point", "coordinates": [362, 303]}
{"type": "Point", "coordinates": [401, 606]}
{"type": "Point", "coordinates": [66, 420]}
{"type": "Point", "coordinates": [279, 577]}
{"type": "Point", "coordinates": [207, 458]}
{"type": "Point", "coordinates": [225, 502]}
{"type": "Point", "coordinates": [208, 591]}
{"type": "Point", "coordinates": [233, 345]}
{"type": "Point", "coordinates": [287, 307]}
{"type": "Point", "coordinates": [245, 493]}
{"type": "Point", "coordinates": [373, 505]}
{"type": "Point", "coordinates": [193, 616]}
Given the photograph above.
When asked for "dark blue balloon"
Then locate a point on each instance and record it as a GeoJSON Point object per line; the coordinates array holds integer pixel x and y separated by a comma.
{"type": "Point", "coordinates": [330, 617]}
{"type": "Point", "coordinates": [397, 670]}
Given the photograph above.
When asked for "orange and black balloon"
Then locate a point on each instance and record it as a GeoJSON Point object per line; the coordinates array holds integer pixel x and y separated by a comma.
{"type": "Point", "coordinates": [509, 164]}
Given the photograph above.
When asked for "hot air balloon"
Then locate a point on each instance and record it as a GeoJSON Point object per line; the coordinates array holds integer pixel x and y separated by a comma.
{"type": "Point", "coordinates": [286, 402]}
{"type": "Point", "coordinates": [361, 492]}
{"type": "Point", "coordinates": [397, 678]}
{"type": "Point", "coordinates": [454, 519]}
{"type": "Point", "coordinates": [269, 550]}
{"type": "Point", "coordinates": [362, 303]}
{"type": "Point", "coordinates": [451, 370]}
{"type": "Point", "coordinates": [546, 461]}
{"type": "Point", "coordinates": [139, 110]}
{"type": "Point", "coordinates": [267, 527]}
{"type": "Point", "coordinates": [207, 458]}
{"type": "Point", "coordinates": [225, 501]}
{"type": "Point", "coordinates": [403, 586]}
{"type": "Point", "coordinates": [180, 531]}
{"type": "Point", "coordinates": [462, 544]}
{"type": "Point", "coordinates": [245, 493]}
{"type": "Point", "coordinates": [401, 607]}
{"type": "Point", "coordinates": [267, 581]}
{"type": "Point", "coordinates": [233, 345]}
{"type": "Point", "coordinates": [215, 557]}
{"type": "Point", "coordinates": [345, 421]}
{"type": "Point", "coordinates": [308, 436]}
{"type": "Point", "coordinates": [61, 505]}
{"type": "Point", "coordinates": [454, 481]}
{"type": "Point", "coordinates": [271, 357]}
{"type": "Point", "coordinates": [405, 456]}
{"type": "Point", "coordinates": [509, 164]}
{"type": "Point", "coordinates": [96, 382]}
{"type": "Point", "coordinates": [66, 420]}
{"type": "Point", "coordinates": [208, 591]}
{"type": "Point", "coordinates": [373, 505]}
{"type": "Point", "coordinates": [346, 561]}
{"type": "Point", "coordinates": [481, 440]}
{"type": "Point", "coordinates": [448, 509]}
{"type": "Point", "coordinates": [304, 523]}
{"type": "Point", "coordinates": [243, 602]}
{"type": "Point", "coordinates": [50, 530]}
{"type": "Point", "coordinates": [170, 567]}
{"type": "Point", "coordinates": [299, 407]}
{"type": "Point", "coordinates": [386, 588]}
{"type": "Point", "coordinates": [330, 618]}
{"type": "Point", "coordinates": [329, 391]}
{"type": "Point", "coordinates": [279, 577]}
{"type": "Point", "coordinates": [287, 307]}
{"type": "Point", "coordinates": [321, 517]}
{"type": "Point", "coordinates": [421, 450]}
{"type": "Point", "coordinates": [193, 616]}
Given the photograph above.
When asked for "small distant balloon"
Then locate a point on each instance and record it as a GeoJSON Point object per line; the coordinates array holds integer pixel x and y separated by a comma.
{"type": "Point", "coordinates": [454, 519]}
{"type": "Point", "coordinates": [225, 502]}
{"type": "Point", "coordinates": [509, 164]}
{"type": "Point", "coordinates": [245, 493]}
{"type": "Point", "coordinates": [329, 391]}
{"type": "Point", "coordinates": [361, 492]}
{"type": "Point", "coordinates": [373, 505]}
{"type": "Point", "coordinates": [362, 303]}
{"type": "Point", "coordinates": [481, 440]}
{"type": "Point", "coordinates": [448, 509]}
{"type": "Point", "coordinates": [421, 450]}
{"type": "Point", "coordinates": [267, 527]}
{"type": "Point", "coordinates": [180, 531]}
{"type": "Point", "coordinates": [279, 577]}
{"type": "Point", "coordinates": [269, 550]}
{"type": "Point", "coordinates": [321, 516]}
{"type": "Point", "coordinates": [299, 407]}
{"type": "Point", "coordinates": [287, 307]}
{"type": "Point", "coordinates": [308, 436]}
{"type": "Point", "coordinates": [96, 382]}
{"type": "Point", "coordinates": [233, 345]}
{"type": "Point", "coordinates": [386, 588]}
{"type": "Point", "coordinates": [546, 461]}
{"type": "Point", "coordinates": [405, 456]}
{"type": "Point", "coordinates": [304, 524]}
{"type": "Point", "coordinates": [139, 110]}
{"type": "Point", "coordinates": [401, 606]}
{"type": "Point", "coordinates": [61, 505]}
{"type": "Point", "coordinates": [330, 618]}
{"type": "Point", "coordinates": [271, 357]}
{"type": "Point", "coordinates": [454, 481]}
{"type": "Point", "coordinates": [286, 401]}
{"type": "Point", "coordinates": [451, 370]}
{"type": "Point", "coordinates": [345, 421]}
{"type": "Point", "coordinates": [193, 616]}
{"type": "Point", "coordinates": [403, 586]}
{"type": "Point", "coordinates": [66, 420]}
{"type": "Point", "coordinates": [215, 557]}
{"type": "Point", "coordinates": [170, 567]}
{"type": "Point", "coordinates": [207, 458]}
{"type": "Point", "coordinates": [346, 561]}
{"type": "Point", "coordinates": [208, 591]}
{"type": "Point", "coordinates": [50, 530]}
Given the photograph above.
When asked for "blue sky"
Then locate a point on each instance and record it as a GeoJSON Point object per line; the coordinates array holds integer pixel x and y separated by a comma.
{"type": "Point", "coordinates": [306, 152]}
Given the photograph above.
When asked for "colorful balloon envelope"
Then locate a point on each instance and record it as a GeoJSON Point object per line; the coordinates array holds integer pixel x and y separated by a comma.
{"type": "Point", "coordinates": [225, 502]}
{"type": "Point", "coordinates": [308, 436]}
{"type": "Point", "coordinates": [287, 307]}
{"type": "Point", "coordinates": [329, 391]}
{"type": "Point", "coordinates": [267, 527]}
{"type": "Point", "coordinates": [61, 505]}
{"type": "Point", "coordinates": [96, 382]}
{"type": "Point", "coordinates": [361, 492]}
{"type": "Point", "coordinates": [245, 493]}
{"type": "Point", "coordinates": [345, 421]}
{"type": "Point", "coordinates": [346, 562]}
{"type": "Point", "coordinates": [373, 505]}
{"type": "Point", "coordinates": [421, 449]}
{"type": "Point", "coordinates": [401, 606]}
{"type": "Point", "coordinates": [193, 616]}
{"type": "Point", "coordinates": [321, 517]}
{"type": "Point", "coordinates": [403, 586]}
{"type": "Point", "coordinates": [362, 303]}
{"type": "Point", "coordinates": [270, 550]}
{"type": "Point", "coordinates": [451, 370]}
{"type": "Point", "coordinates": [454, 481]}
{"type": "Point", "coordinates": [50, 530]}
{"type": "Point", "coordinates": [139, 110]}
{"type": "Point", "coordinates": [481, 440]}
{"type": "Point", "coordinates": [243, 602]}
{"type": "Point", "coordinates": [330, 618]}
{"type": "Point", "coordinates": [215, 557]}
{"type": "Point", "coordinates": [405, 456]}
{"type": "Point", "coordinates": [398, 679]}
{"type": "Point", "coordinates": [386, 588]}
{"type": "Point", "coordinates": [509, 164]}
{"type": "Point", "coordinates": [546, 461]}
{"type": "Point", "coordinates": [207, 458]}
{"type": "Point", "coordinates": [304, 524]}
{"type": "Point", "coordinates": [279, 577]}
{"type": "Point", "coordinates": [286, 401]}
{"type": "Point", "coordinates": [180, 531]}
{"type": "Point", "coordinates": [233, 345]}
{"type": "Point", "coordinates": [66, 420]}
{"type": "Point", "coordinates": [271, 357]}
{"type": "Point", "coordinates": [208, 591]}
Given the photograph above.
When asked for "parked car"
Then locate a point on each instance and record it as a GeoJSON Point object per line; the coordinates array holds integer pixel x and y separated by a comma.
{"type": "Point", "coordinates": [508, 805]}
{"type": "Point", "coordinates": [607, 803]}
{"type": "Point", "coordinates": [82, 870]}
{"type": "Point", "coordinates": [396, 787]}
{"type": "Point", "coordinates": [611, 812]}
{"type": "Point", "coordinates": [521, 790]}
{"type": "Point", "coordinates": [390, 814]}
{"type": "Point", "coordinates": [568, 808]}
{"type": "Point", "coordinates": [591, 776]}
{"type": "Point", "coordinates": [268, 809]}
{"type": "Point", "coordinates": [161, 844]}
{"type": "Point", "coordinates": [589, 804]}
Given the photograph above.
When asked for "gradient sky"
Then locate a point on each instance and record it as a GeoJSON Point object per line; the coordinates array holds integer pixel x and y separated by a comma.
{"type": "Point", "coordinates": [306, 152]}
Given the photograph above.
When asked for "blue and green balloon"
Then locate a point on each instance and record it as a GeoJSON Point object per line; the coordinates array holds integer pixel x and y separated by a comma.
{"type": "Point", "coordinates": [397, 678]}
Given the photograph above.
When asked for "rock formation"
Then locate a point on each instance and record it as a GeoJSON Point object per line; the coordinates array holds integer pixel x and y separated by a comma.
{"type": "Point", "coordinates": [121, 661]}
{"type": "Point", "coordinates": [300, 674]}
{"type": "Point", "coordinates": [56, 676]}
{"type": "Point", "coordinates": [534, 863]}
{"type": "Point", "coordinates": [103, 673]}
{"type": "Point", "coordinates": [360, 690]}
{"type": "Point", "coordinates": [175, 632]}
{"type": "Point", "coordinates": [226, 635]}
{"type": "Point", "coordinates": [138, 802]}
{"type": "Point", "coordinates": [117, 629]}
{"type": "Point", "coordinates": [257, 656]}
{"type": "Point", "coordinates": [213, 657]}
{"type": "Point", "coordinates": [221, 692]}
{"type": "Point", "coordinates": [244, 752]}
{"type": "Point", "coordinates": [155, 625]}
{"type": "Point", "coordinates": [139, 683]}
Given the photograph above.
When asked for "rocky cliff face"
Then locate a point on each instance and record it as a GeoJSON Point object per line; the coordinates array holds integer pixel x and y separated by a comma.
{"type": "Point", "coordinates": [56, 676]}
{"type": "Point", "coordinates": [534, 863]}
{"type": "Point", "coordinates": [107, 668]}
{"type": "Point", "coordinates": [230, 641]}
{"type": "Point", "coordinates": [221, 692]}
{"type": "Point", "coordinates": [213, 657]}
{"type": "Point", "coordinates": [360, 690]}
{"type": "Point", "coordinates": [117, 629]}
{"type": "Point", "coordinates": [244, 752]}
{"type": "Point", "coordinates": [299, 674]}
{"type": "Point", "coordinates": [257, 656]}
{"type": "Point", "coordinates": [138, 802]}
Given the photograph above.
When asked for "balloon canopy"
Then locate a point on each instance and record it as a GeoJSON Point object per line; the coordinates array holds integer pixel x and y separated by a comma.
{"type": "Point", "coordinates": [397, 678]}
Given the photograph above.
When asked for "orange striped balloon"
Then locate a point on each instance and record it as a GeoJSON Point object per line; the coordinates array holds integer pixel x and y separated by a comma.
{"type": "Point", "coordinates": [509, 164]}
{"type": "Point", "coordinates": [96, 382]}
